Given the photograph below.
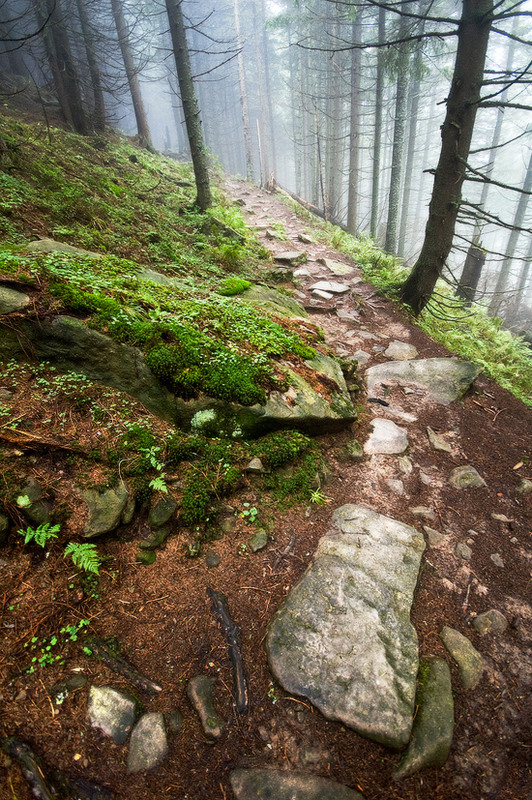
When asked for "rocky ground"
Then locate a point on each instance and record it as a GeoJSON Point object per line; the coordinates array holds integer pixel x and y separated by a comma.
{"type": "Point", "coordinates": [404, 459]}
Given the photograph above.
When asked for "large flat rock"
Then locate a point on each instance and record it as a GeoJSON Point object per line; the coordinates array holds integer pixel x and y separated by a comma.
{"type": "Point", "coordinates": [343, 637]}
{"type": "Point", "coordinates": [444, 379]}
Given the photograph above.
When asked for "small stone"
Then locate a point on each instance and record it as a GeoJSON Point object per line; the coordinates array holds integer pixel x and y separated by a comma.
{"type": "Point", "coordinates": [200, 691]}
{"type": "Point", "coordinates": [330, 286]}
{"type": "Point", "coordinates": [525, 487]}
{"type": "Point", "coordinates": [405, 465]}
{"type": "Point", "coordinates": [162, 511]}
{"type": "Point", "coordinates": [352, 451]}
{"type": "Point", "coordinates": [423, 511]}
{"type": "Point", "coordinates": [470, 662]}
{"type": "Point", "coordinates": [514, 540]}
{"type": "Point", "coordinates": [432, 732]}
{"type": "Point", "coordinates": [174, 720]}
{"type": "Point", "coordinates": [293, 257]}
{"type": "Point", "coordinates": [491, 621]}
{"type": "Point", "coordinates": [361, 356]}
{"type": "Point", "coordinates": [212, 559]}
{"type": "Point", "coordinates": [501, 518]}
{"type": "Point", "coordinates": [437, 442]}
{"type": "Point", "coordinates": [156, 538]}
{"type": "Point", "coordinates": [425, 479]}
{"type": "Point", "coordinates": [105, 509]}
{"type": "Point", "coordinates": [148, 746]}
{"type": "Point", "coordinates": [497, 560]}
{"type": "Point", "coordinates": [303, 237]}
{"type": "Point", "coordinates": [435, 538]}
{"type": "Point", "coordinates": [400, 351]}
{"type": "Point", "coordinates": [146, 557]}
{"type": "Point", "coordinates": [258, 541]}
{"type": "Point", "coordinates": [462, 550]}
{"type": "Point", "coordinates": [322, 295]}
{"type": "Point", "coordinates": [255, 466]}
{"type": "Point", "coordinates": [39, 509]}
{"type": "Point", "coordinates": [6, 395]}
{"type": "Point", "coordinates": [336, 267]}
{"type": "Point", "coordinates": [387, 438]}
{"type": "Point", "coordinates": [465, 477]}
{"type": "Point", "coordinates": [395, 485]}
{"type": "Point", "coordinates": [128, 511]}
{"type": "Point", "coordinates": [112, 712]}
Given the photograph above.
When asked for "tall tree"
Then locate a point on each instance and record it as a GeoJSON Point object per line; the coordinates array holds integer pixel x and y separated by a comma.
{"type": "Point", "coordinates": [190, 103]}
{"type": "Point", "coordinates": [456, 134]}
{"type": "Point", "coordinates": [143, 129]}
{"type": "Point", "coordinates": [88, 34]}
{"type": "Point", "coordinates": [377, 135]}
{"type": "Point", "coordinates": [243, 93]}
{"type": "Point", "coordinates": [354, 129]}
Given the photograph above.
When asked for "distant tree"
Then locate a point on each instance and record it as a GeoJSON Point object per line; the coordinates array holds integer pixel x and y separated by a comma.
{"type": "Point", "coordinates": [89, 43]}
{"type": "Point", "coordinates": [190, 103]}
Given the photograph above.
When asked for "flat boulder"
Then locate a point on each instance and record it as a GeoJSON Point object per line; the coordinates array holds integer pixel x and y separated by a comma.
{"type": "Point", "coordinates": [51, 246]}
{"type": "Point", "coordinates": [386, 437]}
{"type": "Point", "coordinates": [443, 379]}
{"type": "Point", "coordinates": [11, 300]}
{"type": "Point", "coordinates": [104, 509]}
{"type": "Point", "coordinates": [343, 637]}
{"type": "Point", "coordinates": [269, 784]}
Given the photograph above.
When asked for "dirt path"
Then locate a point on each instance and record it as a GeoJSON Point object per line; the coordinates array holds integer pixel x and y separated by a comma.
{"type": "Point", "coordinates": [163, 619]}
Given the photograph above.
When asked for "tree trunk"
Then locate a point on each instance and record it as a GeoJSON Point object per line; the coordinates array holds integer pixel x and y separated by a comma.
{"type": "Point", "coordinates": [398, 140]}
{"type": "Point", "coordinates": [243, 95]}
{"type": "Point", "coordinates": [456, 134]}
{"type": "Point", "coordinates": [92, 63]}
{"type": "Point", "coordinates": [354, 129]}
{"type": "Point", "coordinates": [523, 282]}
{"type": "Point", "coordinates": [143, 129]}
{"type": "Point", "coordinates": [502, 278]}
{"type": "Point", "coordinates": [475, 260]}
{"type": "Point", "coordinates": [377, 138]}
{"type": "Point", "coordinates": [267, 81]}
{"type": "Point", "coordinates": [190, 103]}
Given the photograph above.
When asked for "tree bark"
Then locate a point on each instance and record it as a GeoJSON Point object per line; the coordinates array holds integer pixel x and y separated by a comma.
{"type": "Point", "coordinates": [475, 260]}
{"type": "Point", "coordinates": [456, 134]}
{"type": "Point", "coordinates": [504, 273]}
{"type": "Point", "coordinates": [190, 103]}
{"type": "Point", "coordinates": [92, 63]}
{"type": "Point", "coordinates": [143, 129]}
{"type": "Point", "coordinates": [354, 129]}
{"type": "Point", "coordinates": [243, 95]}
{"type": "Point", "coordinates": [379, 91]}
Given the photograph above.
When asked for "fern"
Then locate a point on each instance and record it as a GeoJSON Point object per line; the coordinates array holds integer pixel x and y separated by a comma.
{"type": "Point", "coordinates": [85, 556]}
{"type": "Point", "coordinates": [41, 535]}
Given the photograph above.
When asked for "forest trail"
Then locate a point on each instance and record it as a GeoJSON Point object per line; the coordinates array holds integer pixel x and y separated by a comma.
{"type": "Point", "coordinates": [477, 557]}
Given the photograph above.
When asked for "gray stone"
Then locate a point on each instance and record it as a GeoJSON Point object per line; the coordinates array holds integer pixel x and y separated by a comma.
{"type": "Point", "coordinates": [423, 511]}
{"type": "Point", "coordinates": [352, 451]}
{"type": "Point", "coordinates": [465, 477]}
{"type": "Point", "coordinates": [105, 509]}
{"type": "Point", "coordinates": [322, 295]}
{"type": "Point", "coordinates": [405, 465]}
{"type": "Point", "coordinates": [491, 621]}
{"type": "Point", "coordinates": [11, 300]}
{"type": "Point", "coordinates": [437, 442]}
{"type": "Point", "coordinates": [162, 511]}
{"type": "Point", "coordinates": [432, 733]}
{"type": "Point", "coordinates": [336, 267]}
{"type": "Point", "coordinates": [156, 538]}
{"type": "Point", "coordinates": [303, 237]}
{"type": "Point", "coordinates": [39, 509]}
{"type": "Point", "coordinates": [501, 518]}
{"type": "Point", "coordinates": [361, 356]}
{"type": "Point", "coordinates": [148, 746]}
{"type": "Point", "coordinates": [343, 637]}
{"type": "Point", "coordinates": [497, 560]}
{"type": "Point", "coordinates": [395, 485]}
{"type": "Point", "coordinates": [112, 712]}
{"type": "Point", "coordinates": [200, 694]}
{"type": "Point", "coordinates": [255, 466]}
{"type": "Point", "coordinates": [330, 286]}
{"type": "Point", "coordinates": [462, 550]}
{"type": "Point", "coordinates": [151, 276]}
{"type": "Point", "coordinates": [293, 257]}
{"type": "Point", "coordinates": [146, 557]}
{"type": "Point", "coordinates": [435, 538]}
{"type": "Point", "coordinates": [174, 720]}
{"type": "Point", "coordinates": [400, 351]}
{"type": "Point", "coordinates": [525, 487]}
{"type": "Point", "coordinates": [51, 246]}
{"type": "Point", "coordinates": [258, 541]}
{"type": "Point", "coordinates": [128, 511]}
{"type": "Point", "coordinates": [444, 379]}
{"type": "Point", "coordinates": [269, 784]}
{"type": "Point", "coordinates": [425, 478]}
{"type": "Point", "coordinates": [387, 437]}
{"type": "Point", "coordinates": [470, 662]}
{"type": "Point", "coordinates": [212, 559]}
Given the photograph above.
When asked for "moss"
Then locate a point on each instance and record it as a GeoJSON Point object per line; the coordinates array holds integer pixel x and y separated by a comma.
{"type": "Point", "coordinates": [232, 286]}
{"type": "Point", "coordinates": [277, 449]}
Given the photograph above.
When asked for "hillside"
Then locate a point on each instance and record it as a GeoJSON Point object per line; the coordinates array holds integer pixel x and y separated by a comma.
{"type": "Point", "coordinates": [181, 408]}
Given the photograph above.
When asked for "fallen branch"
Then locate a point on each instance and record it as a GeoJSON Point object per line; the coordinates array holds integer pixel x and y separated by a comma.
{"type": "Point", "coordinates": [104, 653]}
{"type": "Point", "coordinates": [33, 442]}
{"type": "Point", "coordinates": [285, 552]}
{"type": "Point", "coordinates": [221, 611]}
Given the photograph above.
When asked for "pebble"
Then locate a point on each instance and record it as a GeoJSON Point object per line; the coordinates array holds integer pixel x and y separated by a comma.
{"type": "Point", "coordinates": [497, 560]}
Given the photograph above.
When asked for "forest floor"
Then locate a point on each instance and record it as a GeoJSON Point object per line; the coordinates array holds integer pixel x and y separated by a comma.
{"type": "Point", "coordinates": [164, 621]}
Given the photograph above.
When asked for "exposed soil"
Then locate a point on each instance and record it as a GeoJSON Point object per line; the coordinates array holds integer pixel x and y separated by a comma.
{"type": "Point", "coordinates": [164, 622]}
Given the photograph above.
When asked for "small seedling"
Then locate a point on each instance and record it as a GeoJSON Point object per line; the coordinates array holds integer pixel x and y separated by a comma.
{"type": "Point", "coordinates": [250, 514]}
{"type": "Point", "coordinates": [85, 556]}
{"type": "Point", "coordinates": [23, 501]}
{"type": "Point", "coordinates": [318, 498]}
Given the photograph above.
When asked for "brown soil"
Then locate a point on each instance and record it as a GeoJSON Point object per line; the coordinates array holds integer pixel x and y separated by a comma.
{"type": "Point", "coordinates": [164, 622]}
